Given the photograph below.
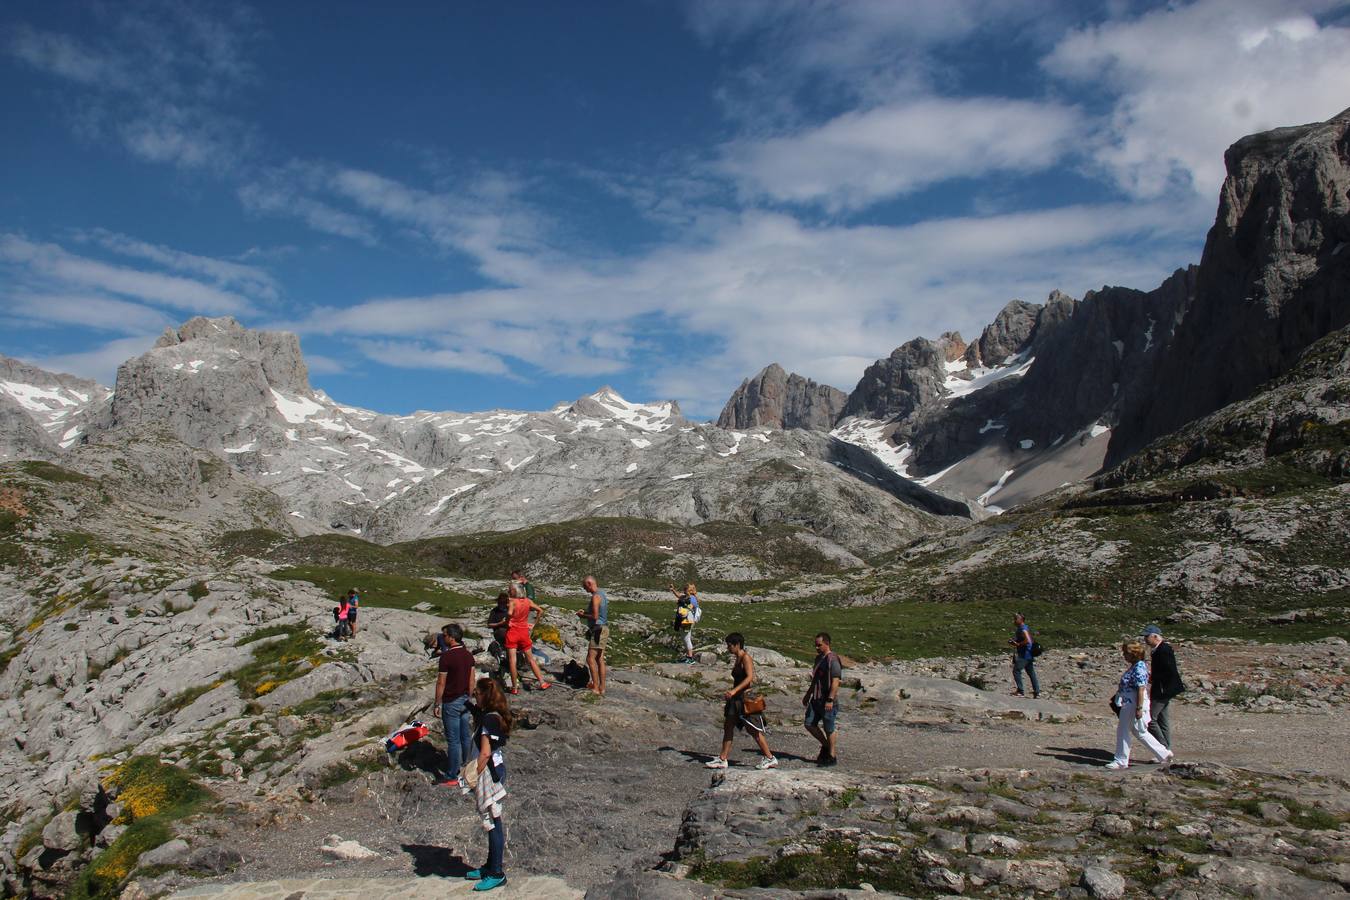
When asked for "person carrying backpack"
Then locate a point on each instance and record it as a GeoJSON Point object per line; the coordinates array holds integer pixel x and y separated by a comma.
{"type": "Point", "coordinates": [687, 614]}
{"type": "Point", "coordinates": [1023, 658]}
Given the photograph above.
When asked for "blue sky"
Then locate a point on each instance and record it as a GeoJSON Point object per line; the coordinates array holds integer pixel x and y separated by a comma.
{"type": "Point", "coordinates": [465, 206]}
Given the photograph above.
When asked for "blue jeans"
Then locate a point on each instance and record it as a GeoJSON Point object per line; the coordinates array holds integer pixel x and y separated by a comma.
{"type": "Point", "coordinates": [497, 840]}
{"type": "Point", "coordinates": [1030, 665]}
{"type": "Point", "coordinates": [458, 722]}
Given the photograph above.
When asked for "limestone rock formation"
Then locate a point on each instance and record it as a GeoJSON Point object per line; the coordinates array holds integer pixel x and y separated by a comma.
{"type": "Point", "coordinates": [61, 405]}
{"type": "Point", "coordinates": [777, 399]}
{"type": "Point", "coordinates": [211, 382]}
{"type": "Point", "coordinates": [1274, 277]}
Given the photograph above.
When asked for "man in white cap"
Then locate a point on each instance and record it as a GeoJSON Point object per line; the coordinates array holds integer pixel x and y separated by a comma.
{"type": "Point", "coordinates": [1164, 683]}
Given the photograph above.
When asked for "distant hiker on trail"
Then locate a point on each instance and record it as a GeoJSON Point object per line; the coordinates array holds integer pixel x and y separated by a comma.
{"type": "Point", "coordinates": [687, 615]}
{"type": "Point", "coordinates": [453, 683]}
{"type": "Point", "coordinates": [740, 709]}
{"type": "Point", "coordinates": [487, 771]}
{"type": "Point", "coordinates": [1022, 657]}
{"type": "Point", "coordinates": [1132, 703]}
{"type": "Point", "coordinates": [1164, 683]}
{"type": "Point", "coordinates": [822, 700]}
{"type": "Point", "coordinates": [596, 615]}
{"type": "Point", "coordinates": [519, 578]}
{"type": "Point", "coordinates": [342, 614]}
{"type": "Point", "coordinates": [518, 609]}
{"type": "Point", "coordinates": [354, 606]}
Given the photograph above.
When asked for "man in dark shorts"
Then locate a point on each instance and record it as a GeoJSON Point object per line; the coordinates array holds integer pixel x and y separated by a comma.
{"type": "Point", "coordinates": [822, 700]}
{"type": "Point", "coordinates": [596, 615]}
{"type": "Point", "coordinates": [354, 601]}
{"type": "Point", "coordinates": [454, 680]}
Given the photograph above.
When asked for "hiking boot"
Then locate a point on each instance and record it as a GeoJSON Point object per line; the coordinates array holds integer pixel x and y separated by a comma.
{"type": "Point", "coordinates": [489, 882]}
{"type": "Point", "coordinates": [715, 763]}
{"type": "Point", "coordinates": [768, 762]}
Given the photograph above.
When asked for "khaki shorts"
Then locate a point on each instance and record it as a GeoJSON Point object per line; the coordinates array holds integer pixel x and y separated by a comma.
{"type": "Point", "coordinates": [599, 638]}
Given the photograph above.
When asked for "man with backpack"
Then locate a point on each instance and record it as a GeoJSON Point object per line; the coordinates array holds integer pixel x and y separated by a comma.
{"type": "Point", "coordinates": [822, 700]}
{"type": "Point", "coordinates": [1023, 657]}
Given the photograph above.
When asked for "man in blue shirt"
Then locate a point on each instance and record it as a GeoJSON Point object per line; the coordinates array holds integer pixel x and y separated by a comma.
{"type": "Point", "coordinates": [1022, 658]}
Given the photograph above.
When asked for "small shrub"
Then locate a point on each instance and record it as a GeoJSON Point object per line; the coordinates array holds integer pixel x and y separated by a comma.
{"type": "Point", "coordinates": [198, 590]}
{"type": "Point", "coordinates": [71, 626]}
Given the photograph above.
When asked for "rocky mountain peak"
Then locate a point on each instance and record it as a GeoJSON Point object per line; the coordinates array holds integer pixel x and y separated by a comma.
{"type": "Point", "coordinates": [211, 381]}
{"type": "Point", "coordinates": [953, 345]}
{"type": "Point", "coordinates": [1274, 277]}
{"type": "Point", "coordinates": [778, 399]}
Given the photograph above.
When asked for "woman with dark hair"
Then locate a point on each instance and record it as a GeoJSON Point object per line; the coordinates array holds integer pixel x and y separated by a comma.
{"type": "Point", "coordinates": [494, 727]}
{"type": "Point", "coordinates": [734, 714]}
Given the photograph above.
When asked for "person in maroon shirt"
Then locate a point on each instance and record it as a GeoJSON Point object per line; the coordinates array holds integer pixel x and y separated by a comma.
{"type": "Point", "coordinates": [453, 683]}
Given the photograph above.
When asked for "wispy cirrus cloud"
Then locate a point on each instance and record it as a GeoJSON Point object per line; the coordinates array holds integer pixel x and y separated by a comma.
{"type": "Point", "coordinates": [51, 265]}
{"type": "Point", "coordinates": [250, 280]}
{"type": "Point", "coordinates": [99, 363]}
{"type": "Point", "coordinates": [159, 79]}
{"type": "Point", "coordinates": [859, 158]}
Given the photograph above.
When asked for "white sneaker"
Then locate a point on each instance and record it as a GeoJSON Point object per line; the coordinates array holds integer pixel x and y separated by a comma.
{"type": "Point", "coordinates": [716, 763]}
{"type": "Point", "coordinates": [1117, 765]}
{"type": "Point", "coordinates": [768, 762]}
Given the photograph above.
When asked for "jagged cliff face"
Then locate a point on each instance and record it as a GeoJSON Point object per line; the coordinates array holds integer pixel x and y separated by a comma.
{"type": "Point", "coordinates": [777, 399]}
{"type": "Point", "coordinates": [1274, 277]}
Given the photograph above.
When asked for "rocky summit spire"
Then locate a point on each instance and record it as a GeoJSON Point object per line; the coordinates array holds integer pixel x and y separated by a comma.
{"type": "Point", "coordinates": [777, 399]}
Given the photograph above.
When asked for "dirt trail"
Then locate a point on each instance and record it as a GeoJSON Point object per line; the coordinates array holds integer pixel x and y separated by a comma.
{"type": "Point", "coordinates": [599, 788]}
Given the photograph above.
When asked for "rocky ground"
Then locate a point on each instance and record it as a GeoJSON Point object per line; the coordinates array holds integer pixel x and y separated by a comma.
{"type": "Point", "coordinates": [943, 788]}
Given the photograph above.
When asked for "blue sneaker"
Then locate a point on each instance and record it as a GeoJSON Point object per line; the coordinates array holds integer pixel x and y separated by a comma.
{"type": "Point", "coordinates": [490, 882]}
{"type": "Point", "coordinates": [473, 874]}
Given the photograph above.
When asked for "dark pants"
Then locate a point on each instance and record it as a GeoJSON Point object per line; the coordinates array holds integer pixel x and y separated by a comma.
{"type": "Point", "coordinates": [1161, 727]}
{"type": "Point", "coordinates": [1029, 665]}
{"type": "Point", "coordinates": [458, 722]}
{"type": "Point", "coordinates": [497, 840]}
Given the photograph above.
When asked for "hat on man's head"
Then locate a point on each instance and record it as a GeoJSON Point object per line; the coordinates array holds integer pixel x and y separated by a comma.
{"type": "Point", "coordinates": [1152, 629]}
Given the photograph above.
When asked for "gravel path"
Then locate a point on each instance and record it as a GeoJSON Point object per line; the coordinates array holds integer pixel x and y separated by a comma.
{"type": "Point", "coordinates": [599, 788]}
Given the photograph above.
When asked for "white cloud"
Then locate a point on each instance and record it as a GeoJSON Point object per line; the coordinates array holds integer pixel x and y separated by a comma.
{"type": "Point", "coordinates": [250, 280]}
{"type": "Point", "coordinates": [862, 157]}
{"type": "Point", "coordinates": [318, 364]}
{"type": "Point", "coordinates": [49, 263]}
{"type": "Point", "coordinates": [277, 198]}
{"type": "Point", "coordinates": [88, 310]}
{"type": "Point", "coordinates": [99, 364]}
{"type": "Point", "coordinates": [763, 287]}
{"type": "Point", "coordinates": [1189, 79]}
{"type": "Point", "coordinates": [416, 355]}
